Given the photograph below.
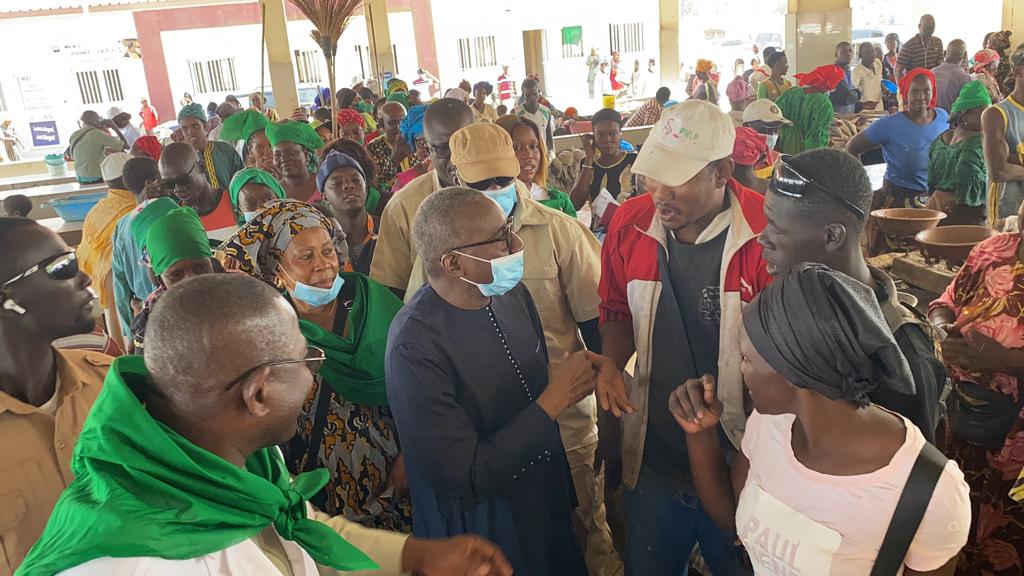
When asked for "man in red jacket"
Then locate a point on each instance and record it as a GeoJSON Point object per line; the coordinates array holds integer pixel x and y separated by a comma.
{"type": "Point", "coordinates": [678, 264]}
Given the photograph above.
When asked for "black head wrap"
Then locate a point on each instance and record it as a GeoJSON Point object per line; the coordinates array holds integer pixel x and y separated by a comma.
{"type": "Point", "coordinates": [822, 330]}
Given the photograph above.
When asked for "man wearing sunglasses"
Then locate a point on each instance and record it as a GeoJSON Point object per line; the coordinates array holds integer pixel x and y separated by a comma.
{"type": "Point", "coordinates": [178, 466]}
{"type": "Point", "coordinates": [678, 265]}
{"type": "Point", "coordinates": [392, 263]}
{"type": "Point", "coordinates": [45, 393]}
{"type": "Point", "coordinates": [815, 206]}
{"type": "Point", "coordinates": [184, 177]}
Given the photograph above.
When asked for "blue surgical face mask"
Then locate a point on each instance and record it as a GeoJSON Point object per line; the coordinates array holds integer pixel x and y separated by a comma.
{"type": "Point", "coordinates": [505, 197]}
{"type": "Point", "coordinates": [248, 216]}
{"type": "Point", "coordinates": [506, 273]}
{"type": "Point", "coordinates": [771, 140]}
{"type": "Point", "coordinates": [316, 296]}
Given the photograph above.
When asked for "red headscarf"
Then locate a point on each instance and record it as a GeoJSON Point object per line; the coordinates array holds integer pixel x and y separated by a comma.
{"type": "Point", "coordinates": [350, 116]}
{"type": "Point", "coordinates": [150, 146]}
{"type": "Point", "coordinates": [824, 78]}
{"type": "Point", "coordinates": [749, 147]}
{"type": "Point", "coordinates": [907, 80]}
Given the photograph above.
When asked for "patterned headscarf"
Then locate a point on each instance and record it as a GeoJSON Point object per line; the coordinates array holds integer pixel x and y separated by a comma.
{"type": "Point", "coordinates": [749, 148]}
{"type": "Point", "coordinates": [1001, 41]}
{"type": "Point", "coordinates": [1017, 58]}
{"type": "Point", "coordinates": [257, 247]}
{"type": "Point", "coordinates": [739, 90]}
{"type": "Point", "coordinates": [193, 110]}
{"type": "Point", "coordinates": [984, 58]}
{"type": "Point", "coordinates": [350, 116]}
{"type": "Point", "coordinates": [395, 86]}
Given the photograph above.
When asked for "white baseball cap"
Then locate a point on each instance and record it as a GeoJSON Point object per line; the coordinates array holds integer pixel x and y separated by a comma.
{"type": "Point", "coordinates": [689, 136]}
{"type": "Point", "coordinates": [114, 112]}
{"type": "Point", "coordinates": [764, 110]}
{"type": "Point", "coordinates": [113, 165]}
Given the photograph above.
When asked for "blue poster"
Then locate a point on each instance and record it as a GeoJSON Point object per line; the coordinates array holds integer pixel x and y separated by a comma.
{"type": "Point", "coordinates": [44, 133]}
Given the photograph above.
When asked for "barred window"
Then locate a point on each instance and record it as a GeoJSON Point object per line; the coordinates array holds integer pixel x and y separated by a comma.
{"type": "Point", "coordinates": [307, 65]}
{"type": "Point", "coordinates": [478, 52]}
{"type": "Point", "coordinates": [626, 37]}
{"type": "Point", "coordinates": [213, 75]}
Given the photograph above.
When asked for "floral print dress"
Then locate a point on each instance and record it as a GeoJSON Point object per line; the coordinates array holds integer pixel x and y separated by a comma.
{"type": "Point", "coordinates": [987, 296]}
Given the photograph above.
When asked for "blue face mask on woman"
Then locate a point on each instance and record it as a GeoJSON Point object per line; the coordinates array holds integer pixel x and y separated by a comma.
{"type": "Point", "coordinates": [505, 197]}
{"type": "Point", "coordinates": [314, 295]}
{"type": "Point", "coordinates": [506, 273]}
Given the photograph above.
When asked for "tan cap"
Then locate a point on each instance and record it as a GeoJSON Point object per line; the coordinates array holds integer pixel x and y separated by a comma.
{"type": "Point", "coordinates": [764, 110]}
{"type": "Point", "coordinates": [689, 136]}
{"type": "Point", "coordinates": [481, 151]}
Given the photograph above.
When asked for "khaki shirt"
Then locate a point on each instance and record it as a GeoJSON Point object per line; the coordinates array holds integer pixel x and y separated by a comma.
{"type": "Point", "coordinates": [562, 268]}
{"type": "Point", "coordinates": [35, 451]}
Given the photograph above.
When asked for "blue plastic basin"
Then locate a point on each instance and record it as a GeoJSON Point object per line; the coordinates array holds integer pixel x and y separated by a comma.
{"type": "Point", "coordinates": [74, 208]}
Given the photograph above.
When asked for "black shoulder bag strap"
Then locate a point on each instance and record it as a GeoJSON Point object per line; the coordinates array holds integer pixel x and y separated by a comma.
{"type": "Point", "coordinates": [917, 493]}
{"type": "Point", "coordinates": [316, 435]}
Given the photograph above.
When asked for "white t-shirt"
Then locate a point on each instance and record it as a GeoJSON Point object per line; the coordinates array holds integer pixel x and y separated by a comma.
{"type": "Point", "coordinates": [793, 520]}
{"type": "Point", "coordinates": [868, 81]}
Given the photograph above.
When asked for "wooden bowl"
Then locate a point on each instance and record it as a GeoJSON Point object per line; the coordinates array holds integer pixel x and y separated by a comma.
{"type": "Point", "coordinates": [952, 243]}
{"type": "Point", "coordinates": [905, 222]}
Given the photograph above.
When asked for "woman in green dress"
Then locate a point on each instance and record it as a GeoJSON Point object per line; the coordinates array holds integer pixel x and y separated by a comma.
{"type": "Point", "coordinates": [957, 177]}
{"type": "Point", "coordinates": [346, 424]}
{"type": "Point", "coordinates": [533, 163]}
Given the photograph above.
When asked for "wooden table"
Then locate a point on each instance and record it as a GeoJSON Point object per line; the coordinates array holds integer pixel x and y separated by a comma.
{"type": "Point", "coordinates": [71, 232]}
{"type": "Point", "coordinates": [41, 194]}
{"type": "Point", "coordinates": [34, 180]}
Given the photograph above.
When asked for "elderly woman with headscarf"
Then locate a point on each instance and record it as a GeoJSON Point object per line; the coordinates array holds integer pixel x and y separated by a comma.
{"type": "Point", "coordinates": [351, 125]}
{"type": "Point", "coordinates": [957, 178]}
{"type": "Point", "coordinates": [999, 42]}
{"type": "Point", "coordinates": [250, 128]}
{"type": "Point", "coordinates": [251, 190]}
{"type": "Point", "coordinates": [905, 139]}
{"type": "Point", "coordinates": [986, 65]}
{"type": "Point", "coordinates": [412, 131]}
{"type": "Point", "coordinates": [349, 99]}
{"type": "Point", "coordinates": [175, 247]}
{"type": "Point", "coordinates": [482, 110]}
{"type": "Point", "coordinates": [980, 316]}
{"type": "Point", "coordinates": [809, 109]}
{"type": "Point", "coordinates": [346, 425]}
{"type": "Point", "coordinates": [814, 345]}
{"type": "Point", "coordinates": [295, 146]}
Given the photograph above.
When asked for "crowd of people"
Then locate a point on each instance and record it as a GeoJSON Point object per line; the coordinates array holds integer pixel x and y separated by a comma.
{"type": "Point", "coordinates": [385, 339]}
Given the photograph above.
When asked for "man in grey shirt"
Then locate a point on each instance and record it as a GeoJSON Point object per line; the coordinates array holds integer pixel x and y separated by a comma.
{"type": "Point", "coordinates": [950, 76]}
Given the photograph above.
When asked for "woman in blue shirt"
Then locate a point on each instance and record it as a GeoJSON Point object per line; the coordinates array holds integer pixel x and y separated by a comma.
{"type": "Point", "coordinates": [905, 139]}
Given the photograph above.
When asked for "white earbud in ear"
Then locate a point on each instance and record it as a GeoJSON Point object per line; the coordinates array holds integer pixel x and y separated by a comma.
{"type": "Point", "coordinates": [11, 305]}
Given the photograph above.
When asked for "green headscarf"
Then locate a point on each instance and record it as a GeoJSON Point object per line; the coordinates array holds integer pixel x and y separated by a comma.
{"type": "Point", "coordinates": [176, 236]}
{"type": "Point", "coordinates": [151, 211]}
{"type": "Point", "coordinates": [355, 364]}
{"type": "Point", "coordinates": [400, 97]}
{"type": "Point", "coordinates": [972, 95]}
{"type": "Point", "coordinates": [143, 490]}
{"type": "Point", "coordinates": [812, 116]}
{"type": "Point", "coordinates": [241, 125]}
{"type": "Point", "coordinates": [192, 110]}
{"type": "Point", "coordinates": [247, 175]}
{"type": "Point", "coordinates": [291, 131]}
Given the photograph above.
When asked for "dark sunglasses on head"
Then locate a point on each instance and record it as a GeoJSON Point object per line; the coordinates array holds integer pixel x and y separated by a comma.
{"type": "Point", "coordinates": [63, 266]}
{"type": "Point", "coordinates": [313, 359]}
{"type": "Point", "coordinates": [788, 182]}
{"type": "Point", "coordinates": [484, 185]}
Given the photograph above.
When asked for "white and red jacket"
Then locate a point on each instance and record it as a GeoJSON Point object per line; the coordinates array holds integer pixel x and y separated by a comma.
{"type": "Point", "coordinates": [631, 287]}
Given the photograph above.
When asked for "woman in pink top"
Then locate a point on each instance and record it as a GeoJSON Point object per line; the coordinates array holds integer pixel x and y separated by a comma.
{"type": "Point", "coordinates": [821, 469]}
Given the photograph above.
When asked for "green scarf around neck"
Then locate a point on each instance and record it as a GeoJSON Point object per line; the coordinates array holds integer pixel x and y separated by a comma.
{"type": "Point", "coordinates": [143, 490]}
{"type": "Point", "coordinates": [355, 364]}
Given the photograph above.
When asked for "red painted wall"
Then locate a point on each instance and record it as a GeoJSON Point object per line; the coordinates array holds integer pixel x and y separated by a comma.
{"type": "Point", "coordinates": [150, 23]}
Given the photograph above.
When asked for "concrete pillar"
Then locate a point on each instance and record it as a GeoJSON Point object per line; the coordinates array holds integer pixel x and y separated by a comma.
{"type": "Point", "coordinates": [279, 58]}
{"type": "Point", "coordinates": [1013, 20]}
{"type": "Point", "coordinates": [382, 56]}
{"type": "Point", "coordinates": [668, 37]}
{"type": "Point", "coordinates": [813, 28]}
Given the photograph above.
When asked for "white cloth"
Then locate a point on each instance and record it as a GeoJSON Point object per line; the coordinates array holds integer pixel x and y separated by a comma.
{"type": "Point", "coordinates": [246, 558]}
{"type": "Point", "coordinates": [868, 81]}
{"type": "Point", "coordinates": [131, 134]}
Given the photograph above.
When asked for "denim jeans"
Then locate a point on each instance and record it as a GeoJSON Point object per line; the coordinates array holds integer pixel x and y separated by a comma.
{"type": "Point", "coordinates": [663, 522]}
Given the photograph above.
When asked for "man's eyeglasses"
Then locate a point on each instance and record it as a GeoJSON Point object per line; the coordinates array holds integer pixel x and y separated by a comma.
{"type": "Point", "coordinates": [484, 185]}
{"type": "Point", "coordinates": [510, 238]}
{"type": "Point", "coordinates": [63, 266]}
{"type": "Point", "coordinates": [314, 359]}
{"type": "Point", "coordinates": [788, 182]}
{"type": "Point", "coordinates": [180, 181]}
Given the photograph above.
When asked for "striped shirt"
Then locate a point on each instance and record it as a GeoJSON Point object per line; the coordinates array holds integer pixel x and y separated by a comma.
{"type": "Point", "coordinates": [916, 54]}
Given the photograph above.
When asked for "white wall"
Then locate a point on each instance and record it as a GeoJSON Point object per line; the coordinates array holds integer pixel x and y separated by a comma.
{"type": "Point", "coordinates": [42, 56]}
